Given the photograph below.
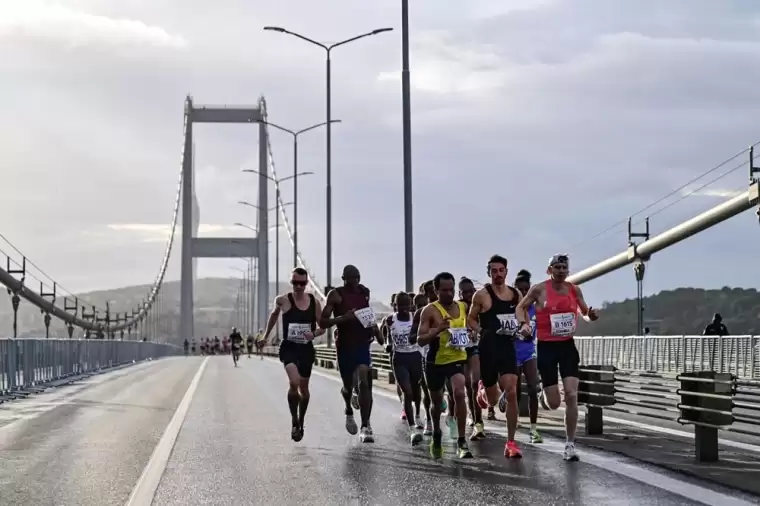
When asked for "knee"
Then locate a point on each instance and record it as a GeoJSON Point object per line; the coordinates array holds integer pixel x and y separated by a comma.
{"type": "Point", "coordinates": [459, 394]}
{"type": "Point", "coordinates": [511, 392]}
{"type": "Point", "coordinates": [571, 397]}
{"type": "Point", "coordinates": [293, 386]}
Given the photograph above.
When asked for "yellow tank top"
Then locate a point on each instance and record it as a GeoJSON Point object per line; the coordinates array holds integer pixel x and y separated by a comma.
{"type": "Point", "coordinates": [450, 345]}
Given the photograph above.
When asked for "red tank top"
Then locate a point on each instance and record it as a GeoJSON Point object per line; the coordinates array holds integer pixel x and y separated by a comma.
{"type": "Point", "coordinates": [352, 332]}
{"type": "Point", "coordinates": [557, 319]}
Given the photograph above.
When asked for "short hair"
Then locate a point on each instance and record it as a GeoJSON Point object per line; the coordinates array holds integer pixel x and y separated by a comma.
{"type": "Point", "coordinates": [393, 297]}
{"type": "Point", "coordinates": [497, 259]}
{"type": "Point", "coordinates": [301, 271]}
{"type": "Point", "coordinates": [442, 276]}
{"type": "Point", "coordinates": [464, 280]}
{"type": "Point", "coordinates": [400, 296]}
{"type": "Point", "coordinates": [411, 295]}
{"type": "Point", "coordinates": [523, 275]}
{"type": "Point", "coordinates": [425, 284]}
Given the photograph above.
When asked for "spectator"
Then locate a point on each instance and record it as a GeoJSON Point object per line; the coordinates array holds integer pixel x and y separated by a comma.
{"type": "Point", "coordinates": [646, 331]}
{"type": "Point", "coordinates": [716, 327]}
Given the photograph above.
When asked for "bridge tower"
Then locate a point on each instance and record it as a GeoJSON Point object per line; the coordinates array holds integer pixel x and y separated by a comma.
{"type": "Point", "coordinates": [221, 247]}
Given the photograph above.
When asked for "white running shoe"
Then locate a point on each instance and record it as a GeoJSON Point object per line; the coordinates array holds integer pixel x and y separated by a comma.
{"type": "Point", "coordinates": [428, 428]}
{"type": "Point", "coordinates": [418, 423]}
{"type": "Point", "coordinates": [351, 426]}
{"type": "Point", "coordinates": [366, 435]}
{"type": "Point", "coordinates": [570, 453]}
{"type": "Point", "coordinates": [415, 436]}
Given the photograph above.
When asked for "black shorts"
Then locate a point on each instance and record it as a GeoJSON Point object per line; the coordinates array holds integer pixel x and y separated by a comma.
{"type": "Point", "coordinates": [350, 358]}
{"type": "Point", "coordinates": [557, 353]}
{"type": "Point", "coordinates": [407, 367]}
{"type": "Point", "coordinates": [472, 351]}
{"type": "Point", "coordinates": [302, 355]}
{"type": "Point", "coordinates": [497, 358]}
{"type": "Point", "coordinates": [437, 374]}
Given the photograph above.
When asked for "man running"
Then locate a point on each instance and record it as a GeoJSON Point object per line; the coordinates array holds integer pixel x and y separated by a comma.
{"type": "Point", "coordinates": [557, 303]}
{"type": "Point", "coordinates": [420, 301]}
{"type": "Point", "coordinates": [235, 340]}
{"type": "Point", "coordinates": [349, 304]}
{"type": "Point", "coordinates": [299, 312]}
{"type": "Point", "coordinates": [472, 367]}
{"type": "Point", "coordinates": [249, 344]}
{"type": "Point", "coordinates": [385, 331]}
{"type": "Point", "coordinates": [261, 340]}
{"type": "Point", "coordinates": [406, 363]}
{"type": "Point", "coordinates": [526, 359]}
{"type": "Point", "coordinates": [492, 315]}
{"type": "Point", "coordinates": [443, 326]}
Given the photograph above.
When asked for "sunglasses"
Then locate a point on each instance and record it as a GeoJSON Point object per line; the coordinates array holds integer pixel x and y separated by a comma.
{"type": "Point", "coordinates": [297, 283]}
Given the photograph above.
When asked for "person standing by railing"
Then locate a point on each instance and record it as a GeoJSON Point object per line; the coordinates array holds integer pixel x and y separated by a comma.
{"type": "Point", "coordinates": [716, 327]}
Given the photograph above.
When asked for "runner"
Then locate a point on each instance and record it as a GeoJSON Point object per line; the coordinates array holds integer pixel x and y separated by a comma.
{"type": "Point", "coordinates": [526, 360]}
{"type": "Point", "coordinates": [249, 344]}
{"type": "Point", "coordinates": [236, 341]}
{"type": "Point", "coordinates": [472, 368]}
{"type": "Point", "coordinates": [558, 303]}
{"type": "Point", "coordinates": [420, 301]}
{"type": "Point", "coordinates": [388, 348]}
{"type": "Point", "coordinates": [349, 304]}
{"type": "Point", "coordinates": [186, 346]}
{"type": "Point", "coordinates": [299, 312]}
{"type": "Point", "coordinates": [260, 343]}
{"type": "Point", "coordinates": [443, 326]}
{"type": "Point", "coordinates": [406, 363]}
{"type": "Point", "coordinates": [428, 289]}
{"type": "Point", "coordinates": [492, 315]}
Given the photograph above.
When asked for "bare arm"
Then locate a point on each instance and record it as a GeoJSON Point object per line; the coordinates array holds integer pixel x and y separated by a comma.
{"type": "Point", "coordinates": [530, 298]}
{"type": "Point", "coordinates": [279, 304]}
{"type": "Point", "coordinates": [325, 320]}
{"type": "Point", "coordinates": [475, 309]}
{"type": "Point", "coordinates": [429, 327]}
{"type": "Point", "coordinates": [415, 327]}
{"type": "Point", "coordinates": [588, 313]}
{"type": "Point", "coordinates": [318, 311]}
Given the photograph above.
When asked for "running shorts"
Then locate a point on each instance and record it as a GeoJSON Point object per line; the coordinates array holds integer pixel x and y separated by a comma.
{"type": "Point", "coordinates": [525, 350]}
{"type": "Point", "coordinates": [497, 358]}
{"type": "Point", "coordinates": [553, 354]}
{"type": "Point", "coordinates": [407, 367]}
{"type": "Point", "coordinates": [351, 357]}
{"type": "Point", "coordinates": [437, 374]}
{"type": "Point", "coordinates": [302, 355]}
{"type": "Point", "coordinates": [472, 351]}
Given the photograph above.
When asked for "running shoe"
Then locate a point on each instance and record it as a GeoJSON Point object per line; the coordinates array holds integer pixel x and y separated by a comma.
{"type": "Point", "coordinates": [415, 436]}
{"type": "Point", "coordinates": [570, 453]}
{"type": "Point", "coordinates": [436, 447]}
{"type": "Point", "coordinates": [463, 451]}
{"type": "Point", "coordinates": [491, 415]}
{"type": "Point", "coordinates": [366, 435]}
{"type": "Point", "coordinates": [478, 432]}
{"type": "Point", "coordinates": [418, 423]}
{"type": "Point", "coordinates": [503, 402]}
{"type": "Point", "coordinates": [542, 401]}
{"type": "Point", "coordinates": [511, 451]}
{"type": "Point", "coordinates": [444, 405]}
{"type": "Point", "coordinates": [535, 437]}
{"type": "Point", "coordinates": [355, 401]}
{"type": "Point", "coordinates": [451, 423]}
{"type": "Point", "coordinates": [428, 428]}
{"type": "Point", "coordinates": [296, 434]}
{"type": "Point", "coordinates": [481, 398]}
{"type": "Point", "coordinates": [403, 414]}
{"type": "Point", "coordinates": [351, 426]}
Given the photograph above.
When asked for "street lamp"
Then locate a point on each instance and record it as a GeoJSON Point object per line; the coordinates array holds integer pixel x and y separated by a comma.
{"type": "Point", "coordinates": [406, 92]}
{"type": "Point", "coordinates": [245, 315]}
{"type": "Point", "coordinates": [328, 190]}
{"type": "Point", "coordinates": [295, 134]}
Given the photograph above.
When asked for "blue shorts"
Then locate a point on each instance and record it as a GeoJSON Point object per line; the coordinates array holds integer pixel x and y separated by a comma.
{"type": "Point", "coordinates": [351, 357]}
{"type": "Point", "coordinates": [525, 350]}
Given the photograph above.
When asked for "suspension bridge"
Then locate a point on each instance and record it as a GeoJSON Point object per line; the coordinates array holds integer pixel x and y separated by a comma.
{"type": "Point", "coordinates": [113, 414]}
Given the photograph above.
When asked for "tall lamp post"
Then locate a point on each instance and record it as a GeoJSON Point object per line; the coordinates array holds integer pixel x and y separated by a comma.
{"type": "Point", "coordinates": [245, 315]}
{"type": "Point", "coordinates": [406, 93]}
{"type": "Point", "coordinates": [295, 134]}
{"type": "Point", "coordinates": [328, 165]}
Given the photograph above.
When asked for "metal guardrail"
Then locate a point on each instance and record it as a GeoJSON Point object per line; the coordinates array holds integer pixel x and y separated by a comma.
{"type": "Point", "coordinates": [31, 365]}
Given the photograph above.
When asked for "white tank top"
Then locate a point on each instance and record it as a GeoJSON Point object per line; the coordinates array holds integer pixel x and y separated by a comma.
{"type": "Point", "coordinates": [399, 334]}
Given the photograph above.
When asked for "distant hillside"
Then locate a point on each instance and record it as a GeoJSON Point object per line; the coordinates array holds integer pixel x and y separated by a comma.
{"type": "Point", "coordinates": [214, 308]}
{"type": "Point", "coordinates": [682, 311]}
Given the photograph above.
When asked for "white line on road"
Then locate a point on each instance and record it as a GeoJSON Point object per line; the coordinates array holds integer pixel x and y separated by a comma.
{"type": "Point", "coordinates": [147, 485]}
{"type": "Point", "coordinates": [619, 465]}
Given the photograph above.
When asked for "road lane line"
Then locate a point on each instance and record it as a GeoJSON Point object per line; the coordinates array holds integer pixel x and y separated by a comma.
{"type": "Point", "coordinates": [619, 465]}
{"type": "Point", "coordinates": [147, 485]}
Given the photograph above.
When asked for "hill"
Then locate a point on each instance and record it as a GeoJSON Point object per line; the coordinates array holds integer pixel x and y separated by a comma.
{"type": "Point", "coordinates": [215, 302]}
{"type": "Point", "coordinates": [682, 311]}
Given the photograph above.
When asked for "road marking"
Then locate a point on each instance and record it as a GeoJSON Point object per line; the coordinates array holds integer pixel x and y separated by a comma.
{"type": "Point", "coordinates": [619, 465]}
{"type": "Point", "coordinates": [147, 485]}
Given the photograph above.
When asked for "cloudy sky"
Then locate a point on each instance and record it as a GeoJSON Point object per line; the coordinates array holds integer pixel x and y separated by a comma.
{"type": "Point", "coordinates": [537, 124]}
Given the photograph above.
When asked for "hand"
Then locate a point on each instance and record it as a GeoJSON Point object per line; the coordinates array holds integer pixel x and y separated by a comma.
{"type": "Point", "coordinates": [593, 314]}
{"type": "Point", "coordinates": [445, 324]}
{"type": "Point", "coordinates": [525, 330]}
{"type": "Point", "coordinates": [474, 335]}
{"type": "Point", "coordinates": [309, 336]}
{"type": "Point", "coordinates": [349, 315]}
{"type": "Point", "coordinates": [319, 332]}
{"type": "Point", "coordinates": [388, 348]}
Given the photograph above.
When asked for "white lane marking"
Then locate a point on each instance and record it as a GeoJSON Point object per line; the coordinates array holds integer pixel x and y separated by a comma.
{"type": "Point", "coordinates": [147, 485]}
{"type": "Point", "coordinates": [618, 465]}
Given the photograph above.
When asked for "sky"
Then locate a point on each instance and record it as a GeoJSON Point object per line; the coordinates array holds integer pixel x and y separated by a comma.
{"type": "Point", "coordinates": [536, 125]}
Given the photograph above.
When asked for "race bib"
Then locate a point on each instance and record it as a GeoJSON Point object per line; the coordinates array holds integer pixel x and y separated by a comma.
{"type": "Point", "coordinates": [366, 316]}
{"type": "Point", "coordinates": [459, 338]}
{"type": "Point", "coordinates": [297, 332]}
{"type": "Point", "coordinates": [400, 339]}
{"type": "Point", "coordinates": [563, 324]}
{"type": "Point", "coordinates": [509, 326]}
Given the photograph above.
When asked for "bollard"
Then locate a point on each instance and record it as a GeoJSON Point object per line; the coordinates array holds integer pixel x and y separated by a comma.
{"type": "Point", "coordinates": [596, 389]}
{"type": "Point", "coordinates": [706, 403]}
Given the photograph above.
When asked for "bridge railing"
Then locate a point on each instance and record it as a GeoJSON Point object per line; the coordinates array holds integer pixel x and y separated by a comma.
{"type": "Point", "coordinates": [28, 365]}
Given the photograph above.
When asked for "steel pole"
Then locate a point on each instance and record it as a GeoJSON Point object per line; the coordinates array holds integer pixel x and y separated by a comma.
{"type": "Point", "coordinates": [295, 200]}
{"type": "Point", "coordinates": [407, 136]}
{"type": "Point", "coordinates": [328, 189]}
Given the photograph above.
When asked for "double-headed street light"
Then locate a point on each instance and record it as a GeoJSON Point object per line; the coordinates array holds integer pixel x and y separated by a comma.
{"type": "Point", "coordinates": [328, 166]}
{"type": "Point", "coordinates": [295, 134]}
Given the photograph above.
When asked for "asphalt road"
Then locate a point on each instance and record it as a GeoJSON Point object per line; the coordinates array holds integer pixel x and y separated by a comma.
{"type": "Point", "coordinates": [88, 444]}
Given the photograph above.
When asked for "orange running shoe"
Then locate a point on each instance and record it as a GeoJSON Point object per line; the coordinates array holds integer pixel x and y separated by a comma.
{"type": "Point", "coordinates": [511, 451]}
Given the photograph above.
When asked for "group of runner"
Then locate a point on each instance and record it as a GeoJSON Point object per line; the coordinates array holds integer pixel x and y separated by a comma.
{"type": "Point", "coordinates": [231, 344]}
{"type": "Point", "coordinates": [475, 348]}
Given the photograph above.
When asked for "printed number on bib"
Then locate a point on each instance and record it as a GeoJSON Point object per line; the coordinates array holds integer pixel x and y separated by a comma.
{"type": "Point", "coordinates": [563, 324]}
{"type": "Point", "coordinates": [508, 323]}
{"type": "Point", "coordinates": [366, 316]}
{"type": "Point", "coordinates": [459, 338]}
{"type": "Point", "coordinates": [401, 339]}
{"type": "Point", "coordinates": [297, 332]}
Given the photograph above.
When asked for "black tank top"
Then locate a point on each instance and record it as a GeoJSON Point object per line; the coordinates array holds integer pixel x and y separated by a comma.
{"type": "Point", "coordinates": [500, 320]}
{"type": "Point", "coordinates": [352, 332]}
{"type": "Point", "coordinates": [299, 319]}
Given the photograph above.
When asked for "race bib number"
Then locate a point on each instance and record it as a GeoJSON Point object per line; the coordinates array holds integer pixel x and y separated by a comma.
{"type": "Point", "coordinates": [366, 316]}
{"type": "Point", "coordinates": [508, 323]}
{"type": "Point", "coordinates": [459, 338]}
{"type": "Point", "coordinates": [297, 332]}
{"type": "Point", "coordinates": [400, 339]}
{"type": "Point", "coordinates": [563, 324]}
